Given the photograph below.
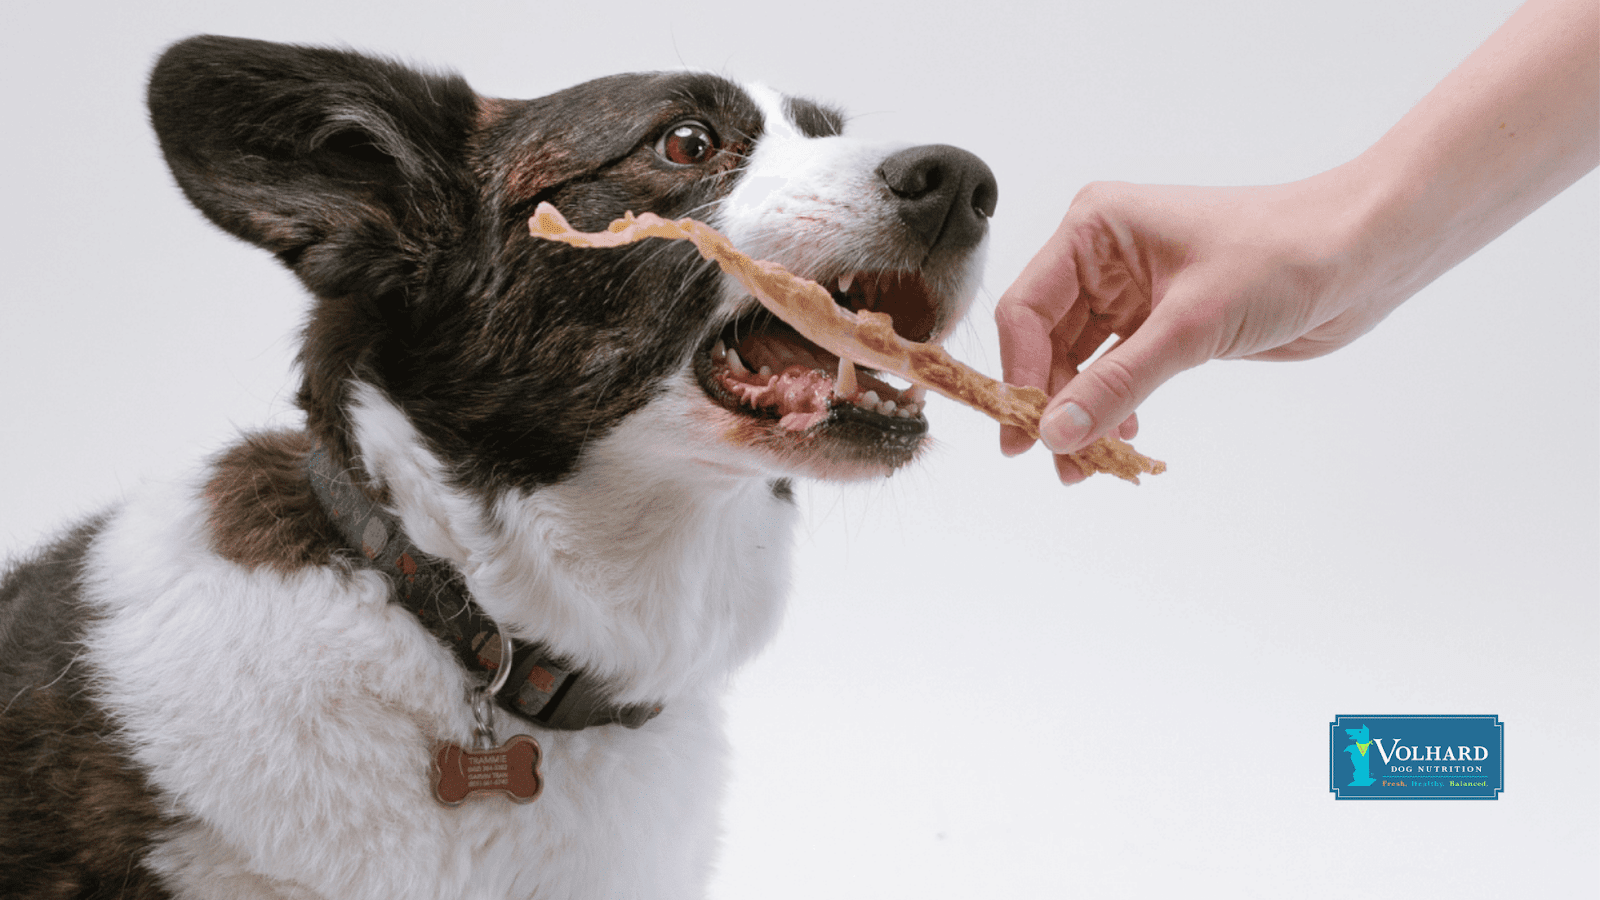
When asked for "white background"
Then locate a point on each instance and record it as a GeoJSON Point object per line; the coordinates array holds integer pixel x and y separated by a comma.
{"type": "Point", "coordinates": [989, 686]}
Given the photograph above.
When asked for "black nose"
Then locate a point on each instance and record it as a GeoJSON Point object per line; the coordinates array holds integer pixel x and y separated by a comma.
{"type": "Point", "coordinates": [946, 195]}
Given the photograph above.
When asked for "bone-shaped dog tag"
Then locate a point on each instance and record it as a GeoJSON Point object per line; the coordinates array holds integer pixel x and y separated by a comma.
{"type": "Point", "coordinates": [511, 769]}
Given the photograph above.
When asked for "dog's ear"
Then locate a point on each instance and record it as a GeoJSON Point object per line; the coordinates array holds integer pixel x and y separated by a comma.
{"type": "Point", "coordinates": [343, 165]}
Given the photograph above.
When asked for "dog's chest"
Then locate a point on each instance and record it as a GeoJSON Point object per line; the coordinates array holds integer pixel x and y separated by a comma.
{"type": "Point", "coordinates": [289, 719]}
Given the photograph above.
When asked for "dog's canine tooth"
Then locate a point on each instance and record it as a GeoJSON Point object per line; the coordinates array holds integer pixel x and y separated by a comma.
{"type": "Point", "coordinates": [844, 385]}
{"type": "Point", "coordinates": [735, 365]}
{"type": "Point", "coordinates": [719, 352]}
{"type": "Point", "coordinates": [845, 281]}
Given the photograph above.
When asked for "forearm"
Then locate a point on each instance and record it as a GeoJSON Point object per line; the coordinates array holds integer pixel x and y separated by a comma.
{"type": "Point", "coordinates": [1511, 127]}
{"type": "Point", "coordinates": [1292, 271]}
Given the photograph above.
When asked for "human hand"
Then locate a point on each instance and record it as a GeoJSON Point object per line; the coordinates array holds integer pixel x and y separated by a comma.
{"type": "Point", "coordinates": [1185, 274]}
{"type": "Point", "coordinates": [1182, 275]}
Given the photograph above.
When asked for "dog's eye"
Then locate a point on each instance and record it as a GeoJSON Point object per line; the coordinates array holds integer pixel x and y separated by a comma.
{"type": "Point", "coordinates": [687, 144]}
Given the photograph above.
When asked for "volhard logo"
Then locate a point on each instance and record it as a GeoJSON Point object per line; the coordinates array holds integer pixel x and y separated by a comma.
{"type": "Point", "coordinates": [1387, 757]}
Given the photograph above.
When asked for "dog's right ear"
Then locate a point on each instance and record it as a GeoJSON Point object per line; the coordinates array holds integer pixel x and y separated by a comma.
{"type": "Point", "coordinates": [341, 164]}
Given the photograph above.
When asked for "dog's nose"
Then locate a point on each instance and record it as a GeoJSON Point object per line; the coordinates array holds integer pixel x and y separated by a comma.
{"type": "Point", "coordinates": [946, 195]}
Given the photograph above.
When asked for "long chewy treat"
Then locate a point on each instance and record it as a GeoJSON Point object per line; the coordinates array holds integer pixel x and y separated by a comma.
{"type": "Point", "coordinates": [864, 337]}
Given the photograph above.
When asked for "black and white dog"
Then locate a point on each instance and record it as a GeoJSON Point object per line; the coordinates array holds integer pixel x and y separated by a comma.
{"type": "Point", "coordinates": [235, 687]}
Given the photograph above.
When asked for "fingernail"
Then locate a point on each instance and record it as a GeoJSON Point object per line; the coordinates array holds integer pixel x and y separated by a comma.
{"type": "Point", "coordinates": [1065, 428]}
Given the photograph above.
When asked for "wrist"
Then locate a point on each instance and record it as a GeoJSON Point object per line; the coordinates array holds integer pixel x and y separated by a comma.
{"type": "Point", "coordinates": [1377, 246]}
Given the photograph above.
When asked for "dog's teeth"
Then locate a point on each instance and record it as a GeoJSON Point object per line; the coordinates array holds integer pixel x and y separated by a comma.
{"type": "Point", "coordinates": [886, 407]}
{"type": "Point", "coordinates": [845, 384]}
{"type": "Point", "coordinates": [719, 352]}
{"type": "Point", "coordinates": [914, 394]}
{"type": "Point", "coordinates": [904, 412]}
{"type": "Point", "coordinates": [870, 399]}
{"type": "Point", "coordinates": [845, 281]}
{"type": "Point", "coordinates": [765, 373]}
{"type": "Point", "coordinates": [734, 364]}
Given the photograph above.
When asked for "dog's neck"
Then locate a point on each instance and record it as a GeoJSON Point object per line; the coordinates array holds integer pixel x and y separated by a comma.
{"type": "Point", "coordinates": [654, 575]}
{"type": "Point", "coordinates": [538, 684]}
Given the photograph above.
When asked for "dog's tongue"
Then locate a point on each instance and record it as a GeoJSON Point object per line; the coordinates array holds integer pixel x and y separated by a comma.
{"type": "Point", "coordinates": [794, 384]}
{"type": "Point", "coordinates": [799, 394]}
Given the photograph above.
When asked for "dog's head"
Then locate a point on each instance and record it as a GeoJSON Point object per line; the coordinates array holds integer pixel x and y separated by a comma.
{"type": "Point", "coordinates": [401, 200]}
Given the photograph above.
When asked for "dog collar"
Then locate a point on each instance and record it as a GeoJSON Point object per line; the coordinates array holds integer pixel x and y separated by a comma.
{"type": "Point", "coordinates": [541, 686]}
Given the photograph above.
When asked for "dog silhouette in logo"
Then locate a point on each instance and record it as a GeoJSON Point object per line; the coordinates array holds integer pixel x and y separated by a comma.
{"type": "Point", "coordinates": [1358, 756]}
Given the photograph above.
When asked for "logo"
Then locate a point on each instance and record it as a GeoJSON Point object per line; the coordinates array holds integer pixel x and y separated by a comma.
{"type": "Point", "coordinates": [1416, 757]}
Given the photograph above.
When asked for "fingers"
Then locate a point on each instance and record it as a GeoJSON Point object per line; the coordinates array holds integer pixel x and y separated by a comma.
{"type": "Point", "coordinates": [1014, 441]}
{"type": "Point", "coordinates": [1031, 309]}
{"type": "Point", "coordinates": [1088, 284]}
{"type": "Point", "coordinates": [1129, 429]}
{"type": "Point", "coordinates": [1026, 358]}
{"type": "Point", "coordinates": [1030, 315]}
{"type": "Point", "coordinates": [1103, 397]}
{"type": "Point", "coordinates": [1068, 471]}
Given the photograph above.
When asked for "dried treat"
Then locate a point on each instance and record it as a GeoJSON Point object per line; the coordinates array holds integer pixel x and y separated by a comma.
{"type": "Point", "coordinates": [864, 337]}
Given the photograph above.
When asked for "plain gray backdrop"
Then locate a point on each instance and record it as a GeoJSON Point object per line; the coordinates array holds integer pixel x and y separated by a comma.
{"type": "Point", "coordinates": [989, 685]}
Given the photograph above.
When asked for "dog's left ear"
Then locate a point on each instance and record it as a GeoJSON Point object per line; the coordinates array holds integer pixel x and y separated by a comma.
{"type": "Point", "coordinates": [343, 165]}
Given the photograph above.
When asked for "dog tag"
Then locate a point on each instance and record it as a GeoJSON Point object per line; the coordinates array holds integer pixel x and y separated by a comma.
{"type": "Point", "coordinates": [511, 769]}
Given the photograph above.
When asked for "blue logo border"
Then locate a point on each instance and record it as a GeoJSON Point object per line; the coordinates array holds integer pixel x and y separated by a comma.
{"type": "Point", "coordinates": [1333, 753]}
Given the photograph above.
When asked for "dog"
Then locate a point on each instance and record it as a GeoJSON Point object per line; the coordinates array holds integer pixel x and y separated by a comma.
{"type": "Point", "coordinates": [568, 472]}
{"type": "Point", "coordinates": [1360, 740]}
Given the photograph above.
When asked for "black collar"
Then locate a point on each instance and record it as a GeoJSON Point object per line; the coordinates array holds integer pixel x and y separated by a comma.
{"type": "Point", "coordinates": [542, 687]}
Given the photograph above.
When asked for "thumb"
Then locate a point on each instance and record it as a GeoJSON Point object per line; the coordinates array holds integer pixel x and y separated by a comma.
{"type": "Point", "coordinates": [1107, 392]}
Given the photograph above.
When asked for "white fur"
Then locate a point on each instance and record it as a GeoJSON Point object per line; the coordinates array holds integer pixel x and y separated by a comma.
{"type": "Point", "coordinates": [290, 718]}
{"type": "Point", "coordinates": [809, 203]}
{"type": "Point", "coordinates": [655, 559]}
{"type": "Point", "coordinates": [815, 205]}
{"type": "Point", "coordinates": [287, 721]}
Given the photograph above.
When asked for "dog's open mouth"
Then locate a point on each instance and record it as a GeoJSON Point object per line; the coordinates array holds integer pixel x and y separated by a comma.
{"type": "Point", "coordinates": [760, 367]}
